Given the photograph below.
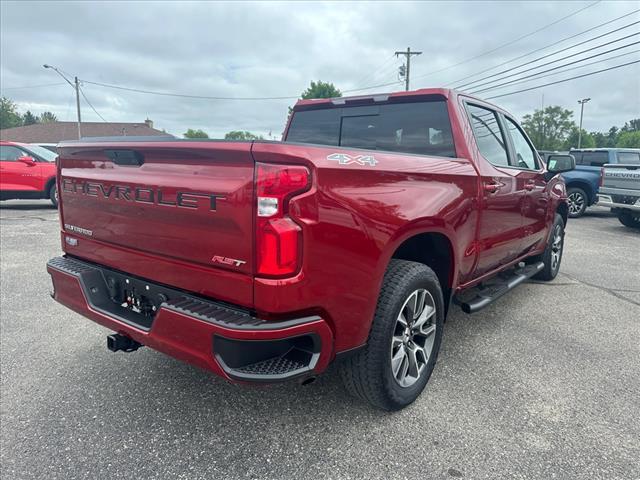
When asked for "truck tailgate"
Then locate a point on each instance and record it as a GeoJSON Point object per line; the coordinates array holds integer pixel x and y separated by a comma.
{"type": "Point", "coordinates": [187, 203]}
{"type": "Point", "coordinates": [623, 178]}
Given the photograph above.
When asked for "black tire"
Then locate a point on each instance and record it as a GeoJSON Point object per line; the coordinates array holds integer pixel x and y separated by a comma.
{"type": "Point", "coordinates": [578, 200]}
{"type": "Point", "coordinates": [552, 256]}
{"type": "Point", "coordinates": [629, 219]}
{"type": "Point", "coordinates": [368, 373]}
{"type": "Point", "coordinates": [53, 194]}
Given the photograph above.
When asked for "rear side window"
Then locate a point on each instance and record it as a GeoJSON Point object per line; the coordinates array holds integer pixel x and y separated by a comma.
{"type": "Point", "coordinates": [489, 138]}
{"type": "Point", "coordinates": [419, 127]}
{"type": "Point", "coordinates": [629, 158]}
{"type": "Point", "coordinates": [315, 126]}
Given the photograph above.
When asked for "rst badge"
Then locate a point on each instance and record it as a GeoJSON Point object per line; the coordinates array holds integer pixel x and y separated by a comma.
{"type": "Point", "coordinates": [233, 262]}
{"type": "Point", "coordinates": [346, 159]}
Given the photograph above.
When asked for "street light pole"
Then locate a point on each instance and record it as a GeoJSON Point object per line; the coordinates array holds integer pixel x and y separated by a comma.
{"type": "Point", "coordinates": [581, 102]}
{"type": "Point", "coordinates": [76, 87]}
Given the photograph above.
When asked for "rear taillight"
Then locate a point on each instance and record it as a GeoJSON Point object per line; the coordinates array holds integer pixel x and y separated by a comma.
{"type": "Point", "coordinates": [601, 176]}
{"type": "Point", "coordinates": [278, 237]}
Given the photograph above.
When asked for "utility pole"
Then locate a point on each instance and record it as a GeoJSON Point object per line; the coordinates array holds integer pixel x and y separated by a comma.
{"type": "Point", "coordinates": [581, 102]}
{"type": "Point", "coordinates": [76, 87]}
{"type": "Point", "coordinates": [407, 54]}
{"type": "Point", "coordinates": [78, 106]}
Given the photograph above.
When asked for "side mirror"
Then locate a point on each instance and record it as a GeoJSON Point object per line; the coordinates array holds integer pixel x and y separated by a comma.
{"type": "Point", "coordinates": [28, 161]}
{"type": "Point", "coordinates": [560, 163]}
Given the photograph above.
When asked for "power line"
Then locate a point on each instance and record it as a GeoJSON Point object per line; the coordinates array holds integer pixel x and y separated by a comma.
{"type": "Point", "coordinates": [552, 69]}
{"type": "Point", "coordinates": [555, 53]}
{"type": "Point", "coordinates": [92, 107]}
{"type": "Point", "coordinates": [380, 75]}
{"type": "Point", "coordinates": [33, 86]}
{"type": "Point", "coordinates": [369, 76]}
{"type": "Point", "coordinates": [184, 95]}
{"type": "Point", "coordinates": [556, 60]}
{"type": "Point", "coordinates": [369, 88]}
{"type": "Point", "coordinates": [564, 80]}
{"type": "Point", "coordinates": [516, 82]}
{"type": "Point", "coordinates": [206, 97]}
{"type": "Point", "coordinates": [510, 42]}
{"type": "Point", "coordinates": [545, 47]}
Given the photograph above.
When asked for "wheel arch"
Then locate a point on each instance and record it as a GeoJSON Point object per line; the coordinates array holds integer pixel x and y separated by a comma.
{"type": "Point", "coordinates": [48, 184]}
{"type": "Point", "coordinates": [435, 250]}
{"type": "Point", "coordinates": [563, 211]}
{"type": "Point", "coordinates": [586, 186]}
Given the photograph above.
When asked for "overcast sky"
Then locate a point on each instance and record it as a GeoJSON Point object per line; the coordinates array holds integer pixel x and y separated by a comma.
{"type": "Point", "coordinates": [275, 49]}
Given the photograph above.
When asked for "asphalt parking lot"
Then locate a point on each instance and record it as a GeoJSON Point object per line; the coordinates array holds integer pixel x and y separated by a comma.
{"type": "Point", "coordinates": [543, 384]}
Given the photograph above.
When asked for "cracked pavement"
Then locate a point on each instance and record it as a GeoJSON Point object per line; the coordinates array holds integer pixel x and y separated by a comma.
{"type": "Point", "coordinates": [542, 384]}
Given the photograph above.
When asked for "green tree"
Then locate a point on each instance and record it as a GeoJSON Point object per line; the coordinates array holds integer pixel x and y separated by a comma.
{"type": "Point", "coordinates": [549, 128]}
{"type": "Point", "coordinates": [9, 116]}
{"type": "Point", "coordinates": [612, 137]}
{"type": "Point", "coordinates": [47, 117]}
{"type": "Point", "coordinates": [191, 133]}
{"type": "Point", "coordinates": [319, 89]}
{"type": "Point", "coordinates": [599, 138]}
{"type": "Point", "coordinates": [631, 126]}
{"type": "Point", "coordinates": [629, 139]}
{"type": "Point", "coordinates": [587, 140]}
{"type": "Point", "coordinates": [242, 135]}
{"type": "Point", "coordinates": [29, 118]}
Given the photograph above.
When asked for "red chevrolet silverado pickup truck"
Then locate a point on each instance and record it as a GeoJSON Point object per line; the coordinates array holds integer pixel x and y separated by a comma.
{"type": "Point", "coordinates": [348, 241]}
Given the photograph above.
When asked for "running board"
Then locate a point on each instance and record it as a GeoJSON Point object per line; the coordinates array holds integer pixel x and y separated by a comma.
{"type": "Point", "coordinates": [476, 298]}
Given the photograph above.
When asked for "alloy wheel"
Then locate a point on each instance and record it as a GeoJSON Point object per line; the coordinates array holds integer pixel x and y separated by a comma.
{"type": "Point", "coordinates": [576, 203]}
{"type": "Point", "coordinates": [413, 337]}
{"type": "Point", "coordinates": [556, 248]}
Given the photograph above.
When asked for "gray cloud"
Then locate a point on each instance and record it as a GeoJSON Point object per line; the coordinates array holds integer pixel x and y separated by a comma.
{"type": "Point", "coordinates": [275, 49]}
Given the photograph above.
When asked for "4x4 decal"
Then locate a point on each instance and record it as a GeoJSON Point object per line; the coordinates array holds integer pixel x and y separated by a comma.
{"type": "Point", "coordinates": [346, 159]}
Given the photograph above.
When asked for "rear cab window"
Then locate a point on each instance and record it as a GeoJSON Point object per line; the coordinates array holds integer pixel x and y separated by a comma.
{"type": "Point", "coordinates": [592, 159]}
{"type": "Point", "coordinates": [628, 158]}
{"type": "Point", "coordinates": [420, 127]}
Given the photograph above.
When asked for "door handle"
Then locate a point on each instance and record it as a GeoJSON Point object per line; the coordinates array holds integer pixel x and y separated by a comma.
{"type": "Point", "coordinates": [492, 187]}
{"type": "Point", "coordinates": [530, 185]}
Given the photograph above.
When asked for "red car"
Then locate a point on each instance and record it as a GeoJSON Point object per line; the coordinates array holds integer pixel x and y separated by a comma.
{"type": "Point", "coordinates": [27, 172]}
{"type": "Point", "coordinates": [347, 242]}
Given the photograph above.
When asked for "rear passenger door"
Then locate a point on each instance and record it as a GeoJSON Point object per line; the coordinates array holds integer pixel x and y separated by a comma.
{"type": "Point", "coordinates": [502, 195]}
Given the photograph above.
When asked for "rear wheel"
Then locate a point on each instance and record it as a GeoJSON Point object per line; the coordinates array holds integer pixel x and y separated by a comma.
{"type": "Point", "coordinates": [53, 194]}
{"type": "Point", "coordinates": [577, 200]}
{"type": "Point", "coordinates": [393, 368]}
{"type": "Point", "coordinates": [629, 219]}
{"type": "Point", "coordinates": [552, 255]}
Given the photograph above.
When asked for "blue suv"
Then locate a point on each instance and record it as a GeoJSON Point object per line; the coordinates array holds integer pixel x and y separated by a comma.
{"type": "Point", "coordinates": [583, 182]}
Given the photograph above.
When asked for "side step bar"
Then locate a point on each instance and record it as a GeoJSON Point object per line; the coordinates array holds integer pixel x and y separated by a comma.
{"type": "Point", "coordinates": [476, 298]}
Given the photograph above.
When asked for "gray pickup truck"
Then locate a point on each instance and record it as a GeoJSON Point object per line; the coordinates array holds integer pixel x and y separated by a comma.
{"type": "Point", "coordinates": [620, 190]}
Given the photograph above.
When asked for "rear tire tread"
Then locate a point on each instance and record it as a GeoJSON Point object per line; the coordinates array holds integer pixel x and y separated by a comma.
{"type": "Point", "coordinates": [547, 274]}
{"type": "Point", "coordinates": [362, 372]}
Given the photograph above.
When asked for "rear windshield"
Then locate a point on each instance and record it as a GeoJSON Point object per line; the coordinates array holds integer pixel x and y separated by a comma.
{"type": "Point", "coordinates": [418, 127]}
{"type": "Point", "coordinates": [629, 158]}
{"type": "Point", "coordinates": [592, 159]}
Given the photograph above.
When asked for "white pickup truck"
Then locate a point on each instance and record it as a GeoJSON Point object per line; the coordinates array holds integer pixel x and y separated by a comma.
{"type": "Point", "coordinates": [620, 190]}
